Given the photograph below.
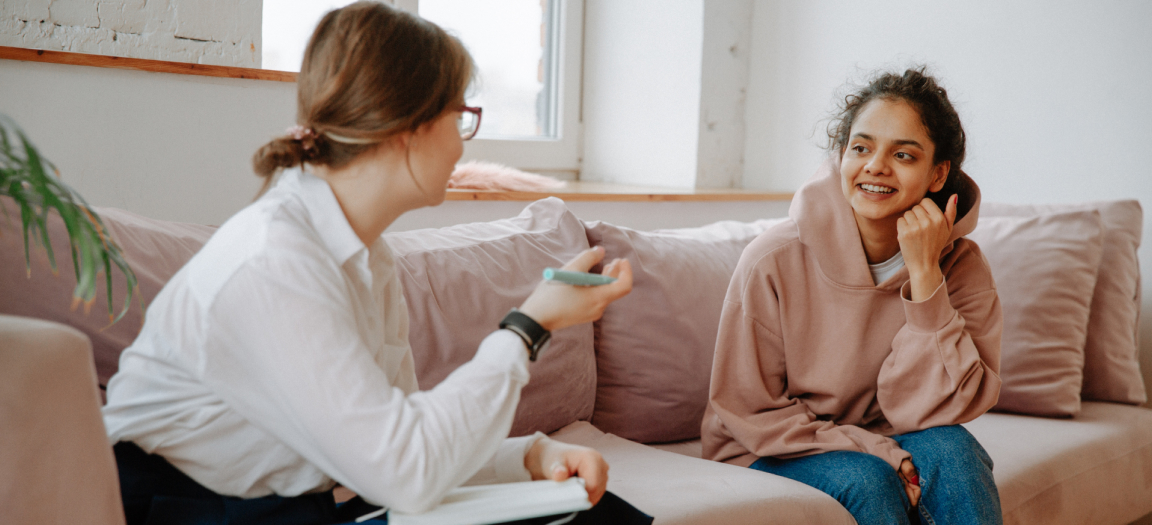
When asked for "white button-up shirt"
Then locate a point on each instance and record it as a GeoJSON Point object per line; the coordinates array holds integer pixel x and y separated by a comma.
{"type": "Point", "coordinates": [277, 362]}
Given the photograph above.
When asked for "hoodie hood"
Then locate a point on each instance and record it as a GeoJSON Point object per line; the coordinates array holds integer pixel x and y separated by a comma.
{"type": "Point", "coordinates": [828, 228]}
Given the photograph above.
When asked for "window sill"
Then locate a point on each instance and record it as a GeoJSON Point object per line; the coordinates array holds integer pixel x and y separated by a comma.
{"type": "Point", "coordinates": [607, 192]}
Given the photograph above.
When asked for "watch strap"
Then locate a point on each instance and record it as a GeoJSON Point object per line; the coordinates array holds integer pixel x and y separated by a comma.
{"type": "Point", "coordinates": [534, 335]}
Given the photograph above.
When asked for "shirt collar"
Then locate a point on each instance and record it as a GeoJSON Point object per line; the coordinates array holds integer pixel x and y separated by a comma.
{"type": "Point", "coordinates": [325, 212]}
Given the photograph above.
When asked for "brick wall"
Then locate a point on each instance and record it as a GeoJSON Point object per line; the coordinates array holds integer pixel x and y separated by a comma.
{"type": "Point", "coordinates": [219, 32]}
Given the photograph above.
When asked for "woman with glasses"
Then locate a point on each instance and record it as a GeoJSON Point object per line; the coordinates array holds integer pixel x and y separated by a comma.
{"type": "Point", "coordinates": [276, 363]}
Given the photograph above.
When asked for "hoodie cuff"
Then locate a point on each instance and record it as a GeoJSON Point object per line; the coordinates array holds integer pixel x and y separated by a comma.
{"type": "Point", "coordinates": [893, 454]}
{"type": "Point", "coordinates": [931, 314]}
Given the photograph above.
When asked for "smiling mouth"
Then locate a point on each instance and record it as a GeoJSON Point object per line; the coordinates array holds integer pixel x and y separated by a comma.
{"type": "Point", "coordinates": [879, 190]}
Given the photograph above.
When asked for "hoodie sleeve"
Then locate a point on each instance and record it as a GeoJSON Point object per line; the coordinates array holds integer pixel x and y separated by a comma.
{"type": "Point", "coordinates": [945, 362]}
{"type": "Point", "coordinates": [751, 412]}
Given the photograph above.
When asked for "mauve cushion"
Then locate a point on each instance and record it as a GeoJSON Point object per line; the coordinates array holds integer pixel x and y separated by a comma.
{"type": "Point", "coordinates": [459, 281]}
{"type": "Point", "coordinates": [154, 249]}
{"type": "Point", "coordinates": [1045, 271]}
{"type": "Point", "coordinates": [1111, 353]}
{"type": "Point", "coordinates": [654, 346]}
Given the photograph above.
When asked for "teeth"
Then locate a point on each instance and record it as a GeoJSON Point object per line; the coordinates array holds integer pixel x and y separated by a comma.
{"type": "Point", "coordinates": [876, 189]}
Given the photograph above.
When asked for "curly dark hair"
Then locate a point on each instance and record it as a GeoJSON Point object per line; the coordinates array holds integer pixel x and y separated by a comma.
{"type": "Point", "coordinates": [923, 93]}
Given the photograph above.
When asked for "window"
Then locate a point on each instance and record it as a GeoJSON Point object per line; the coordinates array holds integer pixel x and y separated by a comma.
{"type": "Point", "coordinates": [528, 55]}
{"type": "Point", "coordinates": [286, 27]}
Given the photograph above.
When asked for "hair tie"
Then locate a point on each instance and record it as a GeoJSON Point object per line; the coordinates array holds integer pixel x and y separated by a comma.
{"type": "Point", "coordinates": [349, 140]}
{"type": "Point", "coordinates": [305, 136]}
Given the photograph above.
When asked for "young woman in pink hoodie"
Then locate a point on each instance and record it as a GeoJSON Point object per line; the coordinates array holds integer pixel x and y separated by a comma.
{"type": "Point", "coordinates": [858, 335]}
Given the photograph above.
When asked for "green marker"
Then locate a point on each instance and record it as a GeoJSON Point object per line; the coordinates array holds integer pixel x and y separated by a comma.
{"type": "Point", "coordinates": [576, 278]}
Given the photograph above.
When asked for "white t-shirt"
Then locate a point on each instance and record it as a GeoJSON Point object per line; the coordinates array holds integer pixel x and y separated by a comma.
{"type": "Point", "coordinates": [277, 362]}
{"type": "Point", "coordinates": [883, 271]}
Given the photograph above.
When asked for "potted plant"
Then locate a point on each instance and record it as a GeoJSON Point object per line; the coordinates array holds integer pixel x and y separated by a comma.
{"type": "Point", "coordinates": [34, 184]}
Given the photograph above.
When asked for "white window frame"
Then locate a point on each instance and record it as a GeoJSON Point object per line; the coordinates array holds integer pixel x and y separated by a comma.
{"type": "Point", "coordinates": [554, 156]}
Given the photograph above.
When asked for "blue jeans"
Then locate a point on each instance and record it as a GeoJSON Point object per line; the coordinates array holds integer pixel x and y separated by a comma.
{"type": "Point", "coordinates": [956, 485]}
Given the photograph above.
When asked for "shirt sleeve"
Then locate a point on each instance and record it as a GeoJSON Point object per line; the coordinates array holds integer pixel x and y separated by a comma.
{"type": "Point", "coordinates": [748, 392]}
{"type": "Point", "coordinates": [945, 361]}
{"type": "Point", "coordinates": [507, 465]}
{"type": "Point", "coordinates": [283, 350]}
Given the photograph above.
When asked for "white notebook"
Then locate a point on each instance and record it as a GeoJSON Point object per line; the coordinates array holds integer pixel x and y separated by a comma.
{"type": "Point", "coordinates": [502, 502]}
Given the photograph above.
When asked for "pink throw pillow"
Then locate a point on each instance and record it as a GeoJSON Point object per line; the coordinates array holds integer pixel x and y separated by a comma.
{"type": "Point", "coordinates": [155, 250]}
{"type": "Point", "coordinates": [654, 347]}
{"type": "Point", "coordinates": [1112, 351]}
{"type": "Point", "coordinates": [1045, 271]}
{"type": "Point", "coordinates": [459, 282]}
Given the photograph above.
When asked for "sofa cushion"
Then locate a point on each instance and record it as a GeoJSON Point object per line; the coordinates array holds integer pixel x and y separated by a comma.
{"type": "Point", "coordinates": [1045, 271]}
{"type": "Point", "coordinates": [682, 490]}
{"type": "Point", "coordinates": [1111, 352]}
{"type": "Point", "coordinates": [1094, 468]}
{"type": "Point", "coordinates": [154, 249]}
{"type": "Point", "coordinates": [459, 281]}
{"type": "Point", "coordinates": [654, 346]}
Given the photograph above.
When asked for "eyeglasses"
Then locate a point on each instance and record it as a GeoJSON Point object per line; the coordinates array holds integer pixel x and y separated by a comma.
{"type": "Point", "coordinates": [469, 121]}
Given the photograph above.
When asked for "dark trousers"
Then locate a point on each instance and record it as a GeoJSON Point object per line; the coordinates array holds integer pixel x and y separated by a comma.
{"type": "Point", "coordinates": [156, 493]}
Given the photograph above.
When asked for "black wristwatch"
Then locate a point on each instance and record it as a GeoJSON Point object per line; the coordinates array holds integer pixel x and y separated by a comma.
{"type": "Point", "coordinates": [534, 335]}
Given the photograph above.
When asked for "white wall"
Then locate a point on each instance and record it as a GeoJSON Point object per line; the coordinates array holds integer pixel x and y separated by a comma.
{"type": "Point", "coordinates": [218, 32]}
{"type": "Point", "coordinates": [1056, 96]}
{"type": "Point", "coordinates": [179, 147]}
{"type": "Point", "coordinates": [642, 93]}
{"type": "Point", "coordinates": [174, 147]}
{"type": "Point", "coordinates": [664, 85]}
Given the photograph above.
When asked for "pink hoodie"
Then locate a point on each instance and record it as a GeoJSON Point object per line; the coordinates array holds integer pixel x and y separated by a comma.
{"type": "Point", "coordinates": [811, 356]}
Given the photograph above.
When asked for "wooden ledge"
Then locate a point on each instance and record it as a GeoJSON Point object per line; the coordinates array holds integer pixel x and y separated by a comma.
{"type": "Point", "coordinates": [606, 192]}
{"type": "Point", "coordinates": [142, 64]}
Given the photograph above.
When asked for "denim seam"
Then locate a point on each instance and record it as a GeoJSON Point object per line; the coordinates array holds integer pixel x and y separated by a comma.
{"type": "Point", "coordinates": [924, 514]}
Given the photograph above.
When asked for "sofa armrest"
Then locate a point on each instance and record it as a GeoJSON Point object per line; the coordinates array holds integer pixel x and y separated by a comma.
{"type": "Point", "coordinates": [56, 465]}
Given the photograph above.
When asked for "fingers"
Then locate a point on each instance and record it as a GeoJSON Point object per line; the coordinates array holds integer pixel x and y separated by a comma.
{"type": "Point", "coordinates": [927, 215]}
{"type": "Point", "coordinates": [559, 472]}
{"type": "Point", "coordinates": [586, 260]}
{"type": "Point", "coordinates": [924, 215]}
{"type": "Point", "coordinates": [590, 466]}
{"type": "Point", "coordinates": [604, 295]}
{"type": "Point", "coordinates": [950, 210]}
{"type": "Point", "coordinates": [911, 478]}
{"type": "Point", "coordinates": [564, 461]}
{"type": "Point", "coordinates": [913, 493]}
{"type": "Point", "coordinates": [621, 269]}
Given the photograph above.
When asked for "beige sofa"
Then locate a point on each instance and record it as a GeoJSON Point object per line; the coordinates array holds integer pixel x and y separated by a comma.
{"type": "Point", "coordinates": [639, 373]}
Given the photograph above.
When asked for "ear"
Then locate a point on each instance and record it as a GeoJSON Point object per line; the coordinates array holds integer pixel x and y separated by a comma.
{"type": "Point", "coordinates": [403, 141]}
{"type": "Point", "coordinates": [939, 176]}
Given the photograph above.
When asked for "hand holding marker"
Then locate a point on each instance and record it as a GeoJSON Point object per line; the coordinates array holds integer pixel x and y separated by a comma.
{"type": "Point", "coordinates": [576, 278]}
{"type": "Point", "coordinates": [556, 307]}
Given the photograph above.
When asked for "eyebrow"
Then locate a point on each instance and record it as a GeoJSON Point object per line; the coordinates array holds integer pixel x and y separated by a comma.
{"type": "Point", "coordinates": [898, 142]}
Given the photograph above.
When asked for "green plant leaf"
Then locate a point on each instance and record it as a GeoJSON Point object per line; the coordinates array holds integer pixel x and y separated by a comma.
{"type": "Point", "coordinates": [34, 185]}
